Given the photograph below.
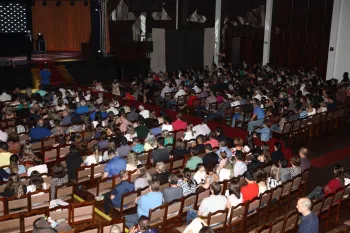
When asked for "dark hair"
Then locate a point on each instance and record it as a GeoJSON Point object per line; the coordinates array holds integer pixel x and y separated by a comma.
{"type": "Point", "coordinates": [200, 138]}
{"type": "Point", "coordinates": [4, 146]}
{"type": "Point", "coordinates": [284, 163]}
{"type": "Point", "coordinates": [173, 179]}
{"type": "Point", "coordinates": [155, 185]}
{"type": "Point", "coordinates": [278, 145]}
{"type": "Point", "coordinates": [73, 149]}
{"type": "Point", "coordinates": [187, 175]}
{"type": "Point", "coordinates": [248, 175]}
{"type": "Point", "coordinates": [123, 141]}
{"type": "Point", "coordinates": [194, 151]}
{"type": "Point", "coordinates": [160, 141]}
{"type": "Point", "coordinates": [339, 175]}
{"type": "Point", "coordinates": [143, 223]}
{"type": "Point", "coordinates": [36, 179]}
{"type": "Point", "coordinates": [208, 147]}
{"type": "Point", "coordinates": [215, 186]}
{"type": "Point", "coordinates": [260, 175]}
{"type": "Point", "coordinates": [58, 171]}
{"type": "Point", "coordinates": [239, 155]}
{"type": "Point", "coordinates": [234, 188]}
{"type": "Point", "coordinates": [206, 229]}
{"type": "Point", "coordinates": [295, 161]}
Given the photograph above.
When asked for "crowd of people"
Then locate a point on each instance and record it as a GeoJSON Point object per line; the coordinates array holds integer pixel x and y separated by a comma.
{"type": "Point", "coordinates": [126, 132]}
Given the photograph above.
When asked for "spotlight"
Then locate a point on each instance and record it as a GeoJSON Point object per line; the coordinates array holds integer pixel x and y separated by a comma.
{"type": "Point", "coordinates": [86, 2]}
{"type": "Point", "coordinates": [44, 3]}
{"type": "Point", "coordinates": [58, 3]}
{"type": "Point", "coordinates": [71, 3]}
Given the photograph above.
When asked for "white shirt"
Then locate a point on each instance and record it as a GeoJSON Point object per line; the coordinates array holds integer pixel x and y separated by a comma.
{"type": "Point", "coordinates": [40, 168]}
{"type": "Point", "coordinates": [188, 136]}
{"type": "Point", "coordinates": [224, 174]}
{"type": "Point", "coordinates": [212, 204]}
{"type": "Point", "coordinates": [165, 90]}
{"type": "Point", "coordinates": [3, 136]}
{"type": "Point", "coordinates": [90, 160]}
{"type": "Point", "coordinates": [5, 97]}
{"type": "Point", "coordinates": [130, 137]}
{"type": "Point", "coordinates": [201, 129]}
{"type": "Point", "coordinates": [114, 110]}
{"type": "Point", "coordinates": [179, 93]}
{"type": "Point", "coordinates": [239, 168]}
{"type": "Point", "coordinates": [167, 127]}
{"type": "Point", "coordinates": [199, 176]}
{"type": "Point", "coordinates": [235, 103]}
{"type": "Point", "coordinates": [145, 114]}
{"type": "Point", "coordinates": [233, 199]}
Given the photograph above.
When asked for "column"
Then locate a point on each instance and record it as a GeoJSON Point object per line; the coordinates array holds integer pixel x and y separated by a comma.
{"type": "Point", "coordinates": [267, 33]}
{"type": "Point", "coordinates": [217, 30]}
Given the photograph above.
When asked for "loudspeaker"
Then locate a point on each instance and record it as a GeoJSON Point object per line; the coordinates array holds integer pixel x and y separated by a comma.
{"type": "Point", "coordinates": [236, 50]}
{"type": "Point", "coordinates": [145, 5]}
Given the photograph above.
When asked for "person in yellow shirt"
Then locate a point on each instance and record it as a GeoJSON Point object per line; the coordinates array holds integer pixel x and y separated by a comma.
{"type": "Point", "coordinates": [4, 154]}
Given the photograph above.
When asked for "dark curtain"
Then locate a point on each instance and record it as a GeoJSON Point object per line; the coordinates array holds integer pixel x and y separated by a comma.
{"type": "Point", "coordinates": [184, 49]}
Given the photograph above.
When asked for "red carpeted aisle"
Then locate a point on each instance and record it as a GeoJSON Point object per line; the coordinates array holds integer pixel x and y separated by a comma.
{"type": "Point", "coordinates": [331, 157]}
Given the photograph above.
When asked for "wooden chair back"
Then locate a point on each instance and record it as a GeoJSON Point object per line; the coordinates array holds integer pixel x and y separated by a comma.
{"type": "Point", "coordinates": [82, 213]}
{"type": "Point", "coordinates": [17, 205]}
{"type": "Point", "coordinates": [84, 174]}
{"type": "Point", "coordinates": [29, 218]}
{"type": "Point", "coordinates": [40, 199]}
{"type": "Point", "coordinates": [64, 192]}
{"type": "Point", "coordinates": [10, 224]}
{"type": "Point", "coordinates": [106, 226]}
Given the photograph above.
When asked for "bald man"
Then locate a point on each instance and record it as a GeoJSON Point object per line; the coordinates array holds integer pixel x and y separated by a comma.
{"type": "Point", "coordinates": [309, 221]}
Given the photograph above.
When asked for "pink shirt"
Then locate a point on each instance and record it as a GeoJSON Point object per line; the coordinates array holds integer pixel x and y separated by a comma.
{"type": "Point", "coordinates": [213, 142]}
{"type": "Point", "coordinates": [179, 125]}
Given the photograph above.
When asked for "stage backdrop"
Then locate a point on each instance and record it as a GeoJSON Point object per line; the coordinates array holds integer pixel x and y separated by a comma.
{"type": "Point", "coordinates": [64, 27]}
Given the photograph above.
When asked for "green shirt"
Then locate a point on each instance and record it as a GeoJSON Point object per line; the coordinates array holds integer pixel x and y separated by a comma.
{"type": "Point", "coordinates": [193, 162]}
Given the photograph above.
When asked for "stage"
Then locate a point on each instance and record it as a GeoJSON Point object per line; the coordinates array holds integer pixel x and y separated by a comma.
{"type": "Point", "coordinates": [52, 57]}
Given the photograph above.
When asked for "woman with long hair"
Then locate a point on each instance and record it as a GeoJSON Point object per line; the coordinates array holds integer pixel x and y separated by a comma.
{"type": "Point", "coordinates": [36, 182]}
{"type": "Point", "coordinates": [59, 177]}
{"type": "Point", "coordinates": [14, 167]}
{"type": "Point", "coordinates": [130, 133]}
{"type": "Point", "coordinates": [13, 143]}
{"type": "Point", "coordinates": [233, 193]}
{"type": "Point", "coordinates": [187, 184]}
{"type": "Point", "coordinates": [150, 142]}
{"type": "Point", "coordinates": [132, 161]}
{"type": "Point", "coordinates": [14, 187]}
{"type": "Point", "coordinates": [179, 151]}
{"type": "Point", "coordinates": [143, 179]}
{"type": "Point", "coordinates": [189, 134]}
{"type": "Point", "coordinates": [261, 180]}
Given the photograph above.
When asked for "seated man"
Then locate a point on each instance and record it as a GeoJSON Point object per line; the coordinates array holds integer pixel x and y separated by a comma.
{"type": "Point", "coordinates": [39, 132]}
{"type": "Point", "coordinates": [174, 191]}
{"type": "Point", "coordinates": [114, 167]}
{"type": "Point", "coordinates": [145, 203]}
{"type": "Point", "coordinates": [210, 204]}
{"type": "Point", "coordinates": [143, 226]}
{"type": "Point", "coordinates": [114, 198]}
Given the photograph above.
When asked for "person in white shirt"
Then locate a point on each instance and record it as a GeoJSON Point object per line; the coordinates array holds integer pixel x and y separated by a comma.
{"type": "Point", "coordinates": [113, 109]}
{"type": "Point", "coordinates": [180, 92]}
{"type": "Point", "coordinates": [144, 112]}
{"type": "Point", "coordinates": [167, 126]}
{"type": "Point", "coordinates": [240, 167]}
{"type": "Point", "coordinates": [5, 97]}
{"type": "Point", "coordinates": [201, 129]}
{"type": "Point", "coordinates": [200, 175]}
{"type": "Point", "coordinates": [166, 89]}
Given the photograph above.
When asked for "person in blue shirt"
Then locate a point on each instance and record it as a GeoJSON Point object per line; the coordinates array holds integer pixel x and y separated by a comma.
{"type": "Point", "coordinates": [82, 108]}
{"type": "Point", "coordinates": [331, 106]}
{"type": "Point", "coordinates": [265, 132]}
{"type": "Point", "coordinates": [114, 198]}
{"type": "Point", "coordinates": [114, 167]}
{"type": "Point", "coordinates": [39, 132]}
{"type": "Point", "coordinates": [309, 221]}
{"type": "Point", "coordinates": [145, 203]}
{"type": "Point", "coordinates": [223, 147]}
{"type": "Point", "coordinates": [258, 116]}
{"type": "Point", "coordinates": [45, 76]}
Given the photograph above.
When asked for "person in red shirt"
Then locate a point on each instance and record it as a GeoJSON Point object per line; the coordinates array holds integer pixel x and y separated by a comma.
{"type": "Point", "coordinates": [192, 98]}
{"type": "Point", "coordinates": [179, 124]}
{"type": "Point", "coordinates": [332, 186]}
{"type": "Point", "coordinates": [251, 190]}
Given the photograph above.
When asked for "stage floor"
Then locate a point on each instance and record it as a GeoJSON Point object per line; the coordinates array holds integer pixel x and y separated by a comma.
{"type": "Point", "coordinates": [43, 57]}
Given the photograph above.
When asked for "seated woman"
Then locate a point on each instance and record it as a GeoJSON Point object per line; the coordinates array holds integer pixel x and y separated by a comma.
{"type": "Point", "coordinates": [189, 134]}
{"type": "Point", "coordinates": [212, 140]}
{"type": "Point", "coordinates": [143, 179]}
{"type": "Point", "coordinates": [94, 158]}
{"type": "Point", "coordinates": [168, 139]}
{"type": "Point", "coordinates": [179, 151]}
{"type": "Point", "coordinates": [233, 193]}
{"type": "Point", "coordinates": [295, 169]}
{"type": "Point", "coordinates": [132, 161]}
{"type": "Point", "coordinates": [261, 180]}
{"type": "Point", "coordinates": [15, 167]}
{"type": "Point", "coordinates": [36, 182]}
{"type": "Point", "coordinates": [14, 187]}
{"type": "Point", "coordinates": [150, 142]}
{"type": "Point", "coordinates": [162, 174]}
{"type": "Point", "coordinates": [15, 146]}
{"type": "Point", "coordinates": [187, 184]}
{"type": "Point", "coordinates": [59, 177]}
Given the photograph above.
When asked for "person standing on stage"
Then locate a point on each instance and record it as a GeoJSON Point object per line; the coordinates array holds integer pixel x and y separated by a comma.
{"type": "Point", "coordinates": [29, 41]}
{"type": "Point", "coordinates": [45, 76]}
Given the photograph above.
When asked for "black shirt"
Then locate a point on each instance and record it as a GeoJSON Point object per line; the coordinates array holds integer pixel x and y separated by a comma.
{"type": "Point", "coordinates": [3, 174]}
{"type": "Point", "coordinates": [23, 112]}
{"type": "Point", "coordinates": [178, 153]}
{"type": "Point", "coordinates": [160, 155]}
{"type": "Point", "coordinates": [277, 156]}
{"type": "Point", "coordinates": [200, 148]}
{"type": "Point", "coordinates": [162, 177]}
{"type": "Point", "coordinates": [74, 161]}
{"type": "Point", "coordinates": [210, 160]}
